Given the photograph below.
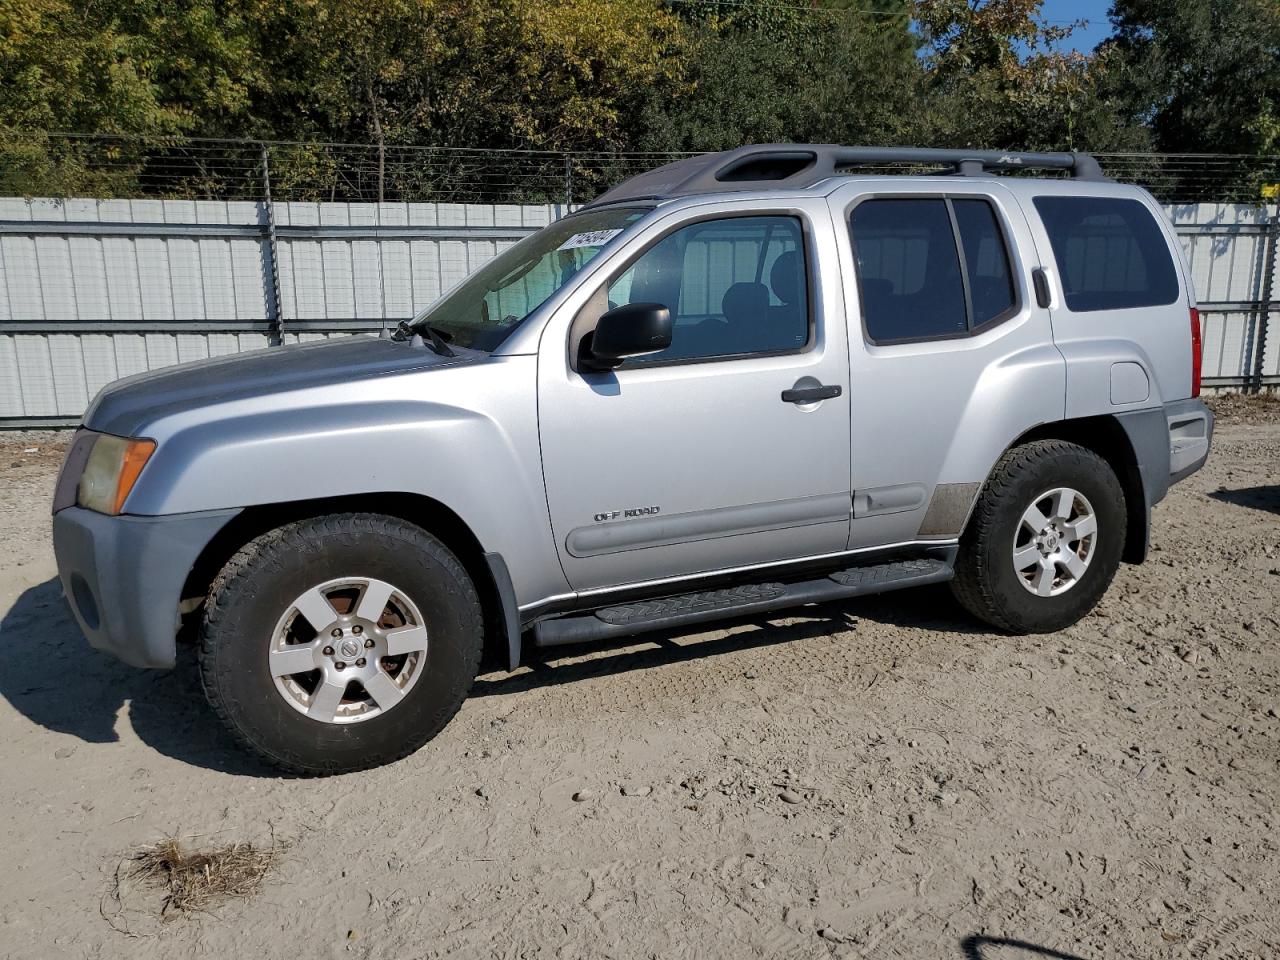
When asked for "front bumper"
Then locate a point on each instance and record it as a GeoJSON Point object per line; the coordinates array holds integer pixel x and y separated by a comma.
{"type": "Point", "coordinates": [123, 577]}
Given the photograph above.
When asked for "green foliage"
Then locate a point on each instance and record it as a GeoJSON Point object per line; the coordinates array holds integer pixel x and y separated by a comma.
{"type": "Point", "coordinates": [84, 66]}
{"type": "Point", "coordinates": [997, 77]}
{"type": "Point", "coordinates": [554, 74]}
{"type": "Point", "coordinates": [615, 75]}
{"type": "Point", "coordinates": [766, 75]}
{"type": "Point", "coordinates": [1206, 74]}
{"type": "Point", "coordinates": [63, 66]}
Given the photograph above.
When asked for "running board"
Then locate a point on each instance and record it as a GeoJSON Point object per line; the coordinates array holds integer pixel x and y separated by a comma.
{"type": "Point", "coordinates": [679, 611]}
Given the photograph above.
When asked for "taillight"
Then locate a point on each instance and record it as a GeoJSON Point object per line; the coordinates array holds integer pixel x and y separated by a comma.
{"type": "Point", "coordinates": [1197, 352]}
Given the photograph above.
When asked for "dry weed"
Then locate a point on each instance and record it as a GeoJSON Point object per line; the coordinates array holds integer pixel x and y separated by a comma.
{"type": "Point", "coordinates": [198, 880]}
{"type": "Point", "coordinates": [1245, 407]}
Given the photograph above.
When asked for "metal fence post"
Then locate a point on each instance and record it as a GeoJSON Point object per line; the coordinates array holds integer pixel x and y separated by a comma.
{"type": "Point", "coordinates": [1268, 295]}
{"type": "Point", "coordinates": [273, 306]}
{"type": "Point", "coordinates": [568, 182]}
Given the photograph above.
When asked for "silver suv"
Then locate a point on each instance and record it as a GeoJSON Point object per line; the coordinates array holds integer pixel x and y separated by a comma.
{"type": "Point", "coordinates": [737, 383]}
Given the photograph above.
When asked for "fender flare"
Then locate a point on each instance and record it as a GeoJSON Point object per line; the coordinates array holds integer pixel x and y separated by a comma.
{"type": "Point", "coordinates": [510, 611]}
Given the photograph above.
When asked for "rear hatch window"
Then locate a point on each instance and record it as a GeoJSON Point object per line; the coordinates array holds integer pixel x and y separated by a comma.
{"type": "Point", "coordinates": [1111, 253]}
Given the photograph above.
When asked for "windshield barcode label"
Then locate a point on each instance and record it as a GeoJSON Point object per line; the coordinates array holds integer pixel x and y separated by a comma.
{"type": "Point", "coordinates": [592, 238]}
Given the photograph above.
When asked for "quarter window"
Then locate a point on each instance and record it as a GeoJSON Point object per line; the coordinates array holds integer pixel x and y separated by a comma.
{"type": "Point", "coordinates": [734, 286]}
{"type": "Point", "coordinates": [986, 260]}
{"type": "Point", "coordinates": [1110, 252]}
{"type": "Point", "coordinates": [930, 267]}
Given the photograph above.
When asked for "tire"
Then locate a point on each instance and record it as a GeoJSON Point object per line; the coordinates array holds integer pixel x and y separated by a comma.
{"type": "Point", "coordinates": [988, 581]}
{"type": "Point", "coordinates": [316, 721]}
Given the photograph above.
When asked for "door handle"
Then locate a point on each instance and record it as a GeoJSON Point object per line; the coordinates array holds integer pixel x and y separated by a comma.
{"type": "Point", "coordinates": [810, 394]}
{"type": "Point", "coordinates": [1040, 281]}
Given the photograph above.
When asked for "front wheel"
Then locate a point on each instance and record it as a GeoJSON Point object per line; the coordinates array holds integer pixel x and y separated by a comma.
{"type": "Point", "coordinates": [1045, 539]}
{"type": "Point", "coordinates": [340, 643]}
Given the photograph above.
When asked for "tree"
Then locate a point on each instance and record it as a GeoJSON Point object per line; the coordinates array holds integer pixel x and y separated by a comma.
{"type": "Point", "coordinates": [760, 72]}
{"type": "Point", "coordinates": [60, 70]}
{"type": "Point", "coordinates": [997, 78]}
{"type": "Point", "coordinates": [1207, 74]}
{"type": "Point", "coordinates": [536, 74]}
{"type": "Point", "coordinates": [604, 76]}
{"type": "Point", "coordinates": [530, 74]}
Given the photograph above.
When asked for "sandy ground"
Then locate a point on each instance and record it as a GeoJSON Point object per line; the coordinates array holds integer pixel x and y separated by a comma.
{"type": "Point", "coordinates": [1111, 791]}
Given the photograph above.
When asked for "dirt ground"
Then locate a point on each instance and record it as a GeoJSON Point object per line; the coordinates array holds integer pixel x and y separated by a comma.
{"type": "Point", "coordinates": [872, 779]}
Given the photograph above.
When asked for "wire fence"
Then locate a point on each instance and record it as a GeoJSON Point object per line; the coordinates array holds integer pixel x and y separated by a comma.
{"type": "Point", "coordinates": [118, 167]}
{"type": "Point", "coordinates": [97, 166]}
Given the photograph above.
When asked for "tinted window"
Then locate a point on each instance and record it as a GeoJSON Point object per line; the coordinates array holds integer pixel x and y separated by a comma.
{"type": "Point", "coordinates": [1110, 253]}
{"type": "Point", "coordinates": [734, 286]}
{"type": "Point", "coordinates": [986, 260]}
{"type": "Point", "coordinates": [908, 269]}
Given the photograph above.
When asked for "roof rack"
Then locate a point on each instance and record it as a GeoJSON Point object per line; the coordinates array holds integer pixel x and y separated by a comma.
{"type": "Point", "coordinates": [794, 166]}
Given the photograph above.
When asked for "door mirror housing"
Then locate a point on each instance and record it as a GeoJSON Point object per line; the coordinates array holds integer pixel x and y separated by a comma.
{"type": "Point", "coordinates": [631, 330]}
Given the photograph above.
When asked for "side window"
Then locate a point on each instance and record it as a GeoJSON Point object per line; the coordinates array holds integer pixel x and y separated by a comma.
{"type": "Point", "coordinates": [908, 269]}
{"type": "Point", "coordinates": [1111, 254]}
{"type": "Point", "coordinates": [986, 260]}
{"type": "Point", "coordinates": [734, 286]}
{"type": "Point", "coordinates": [930, 267]}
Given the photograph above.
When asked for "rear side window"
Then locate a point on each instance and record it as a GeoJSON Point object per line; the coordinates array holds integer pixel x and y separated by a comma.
{"type": "Point", "coordinates": [1110, 252]}
{"type": "Point", "coordinates": [930, 267]}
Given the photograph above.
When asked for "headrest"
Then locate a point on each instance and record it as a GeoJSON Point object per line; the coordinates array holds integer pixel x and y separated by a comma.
{"type": "Point", "coordinates": [785, 277]}
{"type": "Point", "coordinates": [745, 299]}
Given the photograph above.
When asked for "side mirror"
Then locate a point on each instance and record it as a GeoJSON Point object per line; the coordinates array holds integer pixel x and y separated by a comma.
{"type": "Point", "coordinates": [631, 330]}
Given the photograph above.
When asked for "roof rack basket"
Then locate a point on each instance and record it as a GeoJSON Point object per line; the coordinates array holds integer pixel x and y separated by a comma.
{"type": "Point", "coordinates": [794, 166]}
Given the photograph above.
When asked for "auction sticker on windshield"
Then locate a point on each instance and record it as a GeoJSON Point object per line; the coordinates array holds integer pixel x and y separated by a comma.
{"type": "Point", "coordinates": [592, 238]}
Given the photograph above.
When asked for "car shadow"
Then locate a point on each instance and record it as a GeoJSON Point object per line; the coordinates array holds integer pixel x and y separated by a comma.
{"type": "Point", "coordinates": [930, 609]}
{"type": "Point", "coordinates": [51, 675]}
{"type": "Point", "coordinates": [979, 947]}
{"type": "Point", "coordinates": [1266, 497]}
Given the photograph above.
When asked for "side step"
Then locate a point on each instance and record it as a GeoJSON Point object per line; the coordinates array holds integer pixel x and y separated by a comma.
{"type": "Point", "coordinates": [642, 616]}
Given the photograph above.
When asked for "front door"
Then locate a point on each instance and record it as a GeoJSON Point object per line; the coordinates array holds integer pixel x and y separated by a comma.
{"type": "Point", "coordinates": [691, 460]}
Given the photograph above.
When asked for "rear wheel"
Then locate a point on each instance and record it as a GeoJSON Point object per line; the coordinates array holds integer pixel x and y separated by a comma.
{"type": "Point", "coordinates": [1045, 539]}
{"type": "Point", "coordinates": [340, 643]}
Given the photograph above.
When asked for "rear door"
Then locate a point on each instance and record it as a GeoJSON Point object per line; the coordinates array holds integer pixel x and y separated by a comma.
{"type": "Point", "coordinates": [1122, 319]}
{"type": "Point", "coordinates": [951, 358]}
{"type": "Point", "coordinates": [691, 460]}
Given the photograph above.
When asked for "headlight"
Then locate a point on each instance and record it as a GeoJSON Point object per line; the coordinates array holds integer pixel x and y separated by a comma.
{"type": "Point", "coordinates": [111, 471]}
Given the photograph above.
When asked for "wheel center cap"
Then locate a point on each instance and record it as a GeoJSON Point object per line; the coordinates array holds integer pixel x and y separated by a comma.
{"type": "Point", "coordinates": [349, 648]}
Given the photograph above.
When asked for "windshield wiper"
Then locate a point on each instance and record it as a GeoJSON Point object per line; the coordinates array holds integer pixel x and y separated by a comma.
{"type": "Point", "coordinates": [407, 331]}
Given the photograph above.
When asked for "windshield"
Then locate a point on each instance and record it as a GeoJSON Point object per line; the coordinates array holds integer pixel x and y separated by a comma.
{"type": "Point", "coordinates": [481, 312]}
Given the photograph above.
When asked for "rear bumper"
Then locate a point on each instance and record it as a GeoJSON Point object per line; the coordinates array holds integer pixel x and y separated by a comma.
{"type": "Point", "coordinates": [1169, 443]}
{"type": "Point", "coordinates": [1190, 425]}
{"type": "Point", "coordinates": [123, 577]}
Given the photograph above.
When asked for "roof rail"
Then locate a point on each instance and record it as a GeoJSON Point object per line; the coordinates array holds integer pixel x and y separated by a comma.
{"type": "Point", "coordinates": [794, 166]}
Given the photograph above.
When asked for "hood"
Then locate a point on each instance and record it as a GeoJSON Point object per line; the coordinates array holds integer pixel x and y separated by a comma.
{"type": "Point", "coordinates": [126, 406]}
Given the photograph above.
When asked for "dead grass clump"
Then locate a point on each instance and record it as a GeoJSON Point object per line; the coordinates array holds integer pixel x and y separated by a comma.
{"type": "Point", "coordinates": [198, 880]}
{"type": "Point", "coordinates": [1245, 407]}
